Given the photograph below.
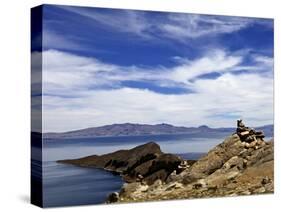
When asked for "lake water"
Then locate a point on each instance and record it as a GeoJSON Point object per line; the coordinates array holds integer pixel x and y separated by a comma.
{"type": "Point", "coordinates": [66, 185]}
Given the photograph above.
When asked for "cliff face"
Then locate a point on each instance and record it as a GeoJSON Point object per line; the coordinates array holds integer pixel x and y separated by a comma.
{"type": "Point", "coordinates": [145, 163]}
{"type": "Point", "coordinates": [231, 168]}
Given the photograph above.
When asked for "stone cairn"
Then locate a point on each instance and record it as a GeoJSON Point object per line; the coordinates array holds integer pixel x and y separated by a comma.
{"type": "Point", "coordinates": [249, 137]}
{"type": "Point", "coordinates": [183, 165]}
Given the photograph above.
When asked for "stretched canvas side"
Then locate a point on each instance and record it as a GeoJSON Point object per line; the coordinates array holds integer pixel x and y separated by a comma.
{"type": "Point", "coordinates": [36, 106]}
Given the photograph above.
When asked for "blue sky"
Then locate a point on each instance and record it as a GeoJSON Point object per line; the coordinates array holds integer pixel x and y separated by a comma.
{"type": "Point", "coordinates": [104, 66]}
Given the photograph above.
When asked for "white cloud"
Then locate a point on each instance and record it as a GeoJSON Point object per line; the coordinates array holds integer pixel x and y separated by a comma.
{"type": "Point", "coordinates": [224, 95]}
{"type": "Point", "coordinates": [65, 71]}
{"type": "Point", "coordinates": [264, 61]}
{"type": "Point", "coordinates": [249, 95]}
{"type": "Point", "coordinates": [215, 61]}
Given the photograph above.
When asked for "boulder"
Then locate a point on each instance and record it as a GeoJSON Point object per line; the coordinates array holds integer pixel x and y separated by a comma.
{"type": "Point", "coordinates": [175, 185]}
{"type": "Point", "coordinates": [234, 162]}
{"type": "Point", "coordinates": [113, 197]}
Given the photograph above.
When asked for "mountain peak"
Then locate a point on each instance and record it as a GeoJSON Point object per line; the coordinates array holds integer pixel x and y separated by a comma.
{"type": "Point", "coordinates": [204, 127]}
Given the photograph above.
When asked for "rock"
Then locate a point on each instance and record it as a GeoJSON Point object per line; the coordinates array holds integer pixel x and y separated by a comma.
{"type": "Point", "coordinates": [175, 185]}
{"type": "Point", "coordinates": [247, 145]}
{"type": "Point", "coordinates": [259, 190]}
{"type": "Point", "coordinates": [251, 142]}
{"type": "Point", "coordinates": [161, 168]}
{"type": "Point", "coordinates": [261, 155]}
{"type": "Point", "coordinates": [202, 182]}
{"type": "Point", "coordinates": [266, 180]}
{"type": "Point", "coordinates": [183, 165]}
{"type": "Point", "coordinates": [231, 175]}
{"type": "Point", "coordinates": [235, 161]}
{"type": "Point", "coordinates": [140, 176]}
{"type": "Point", "coordinates": [244, 144]}
{"type": "Point", "coordinates": [245, 192]}
{"type": "Point", "coordinates": [245, 133]}
{"type": "Point", "coordinates": [172, 177]}
{"type": "Point", "coordinates": [158, 183]}
{"type": "Point", "coordinates": [269, 188]}
{"type": "Point", "coordinates": [245, 163]}
{"type": "Point", "coordinates": [233, 195]}
{"type": "Point", "coordinates": [214, 160]}
{"type": "Point", "coordinates": [133, 190]}
{"type": "Point", "coordinates": [197, 185]}
{"type": "Point", "coordinates": [113, 197]}
{"type": "Point", "coordinates": [129, 188]}
{"type": "Point", "coordinates": [143, 188]}
{"type": "Point", "coordinates": [212, 188]}
{"type": "Point", "coordinates": [249, 135]}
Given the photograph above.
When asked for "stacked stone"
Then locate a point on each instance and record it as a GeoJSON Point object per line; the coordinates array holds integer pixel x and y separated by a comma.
{"type": "Point", "coordinates": [248, 136]}
{"type": "Point", "coordinates": [183, 165]}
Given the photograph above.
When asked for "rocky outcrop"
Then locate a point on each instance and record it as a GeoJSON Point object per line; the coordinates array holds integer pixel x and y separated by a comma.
{"type": "Point", "coordinates": [144, 163]}
{"type": "Point", "coordinates": [229, 169]}
{"type": "Point", "coordinates": [241, 165]}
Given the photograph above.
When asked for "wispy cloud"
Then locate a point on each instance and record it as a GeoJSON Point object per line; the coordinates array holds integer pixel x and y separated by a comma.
{"type": "Point", "coordinates": [52, 39]}
{"type": "Point", "coordinates": [121, 20]}
{"type": "Point", "coordinates": [193, 26]}
{"type": "Point", "coordinates": [175, 26]}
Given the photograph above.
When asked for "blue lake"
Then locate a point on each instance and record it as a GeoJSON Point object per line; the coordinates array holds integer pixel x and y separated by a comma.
{"type": "Point", "coordinates": [66, 185]}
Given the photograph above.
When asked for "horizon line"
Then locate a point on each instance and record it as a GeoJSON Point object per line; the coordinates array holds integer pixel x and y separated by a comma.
{"type": "Point", "coordinates": [163, 123]}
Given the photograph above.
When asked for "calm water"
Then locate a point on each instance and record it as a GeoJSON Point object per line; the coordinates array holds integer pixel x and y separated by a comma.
{"type": "Point", "coordinates": [71, 185]}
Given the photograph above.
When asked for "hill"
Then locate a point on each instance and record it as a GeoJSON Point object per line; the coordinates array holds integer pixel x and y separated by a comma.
{"type": "Point", "coordinates": [145, 162]}
{"type": "Point", "coordinates": [129, 129]}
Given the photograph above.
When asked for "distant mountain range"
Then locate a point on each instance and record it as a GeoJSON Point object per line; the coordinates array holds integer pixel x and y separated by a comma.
{"type": "Point", "coordinates": [129, 129]}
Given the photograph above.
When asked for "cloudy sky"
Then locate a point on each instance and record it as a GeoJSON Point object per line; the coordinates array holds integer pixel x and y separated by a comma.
{"type": "Point", "coordinates": [105, 66]}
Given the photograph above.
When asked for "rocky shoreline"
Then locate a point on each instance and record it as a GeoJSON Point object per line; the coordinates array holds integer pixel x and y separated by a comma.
{"type": "Point", "coordinates": [242, 164]}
